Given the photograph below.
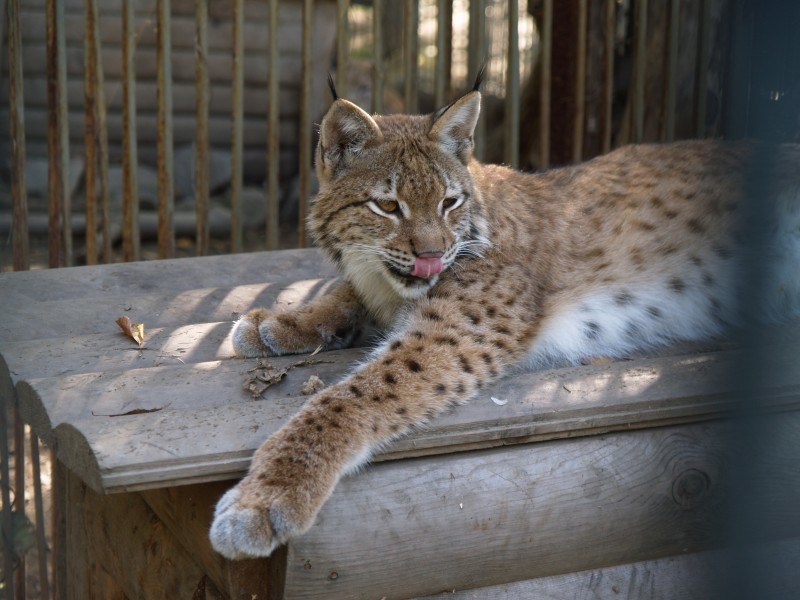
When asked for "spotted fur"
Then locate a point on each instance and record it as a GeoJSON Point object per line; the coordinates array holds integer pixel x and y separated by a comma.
{"type": "Point", "coordinates": [631, 250]}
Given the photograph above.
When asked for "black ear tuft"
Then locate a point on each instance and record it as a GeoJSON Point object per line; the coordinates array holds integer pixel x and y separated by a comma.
{"type": "Point", "coordinates": [479, 78]}
{"type": "Point", "coordinates": [332, 86]}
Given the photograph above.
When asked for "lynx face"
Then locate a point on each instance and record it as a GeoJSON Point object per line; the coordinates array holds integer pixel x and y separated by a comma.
{"type": "Point", "coordinates": [397, 208]}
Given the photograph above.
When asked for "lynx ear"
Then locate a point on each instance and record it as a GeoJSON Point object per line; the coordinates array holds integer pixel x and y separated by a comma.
{"type": "Point", "coordinates": [453, 126]}
{"type": "Point", "coordinates": [346, 130]}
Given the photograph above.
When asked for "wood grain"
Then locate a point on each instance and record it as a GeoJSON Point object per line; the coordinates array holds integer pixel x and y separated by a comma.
{"type": "Point", "coordinates": [418, 527]}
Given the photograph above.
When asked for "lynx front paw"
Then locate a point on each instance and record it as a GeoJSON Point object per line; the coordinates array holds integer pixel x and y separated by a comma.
{"type": "Point", "coordinates": [254, 518]}
{"type": "Point", "coordinates": [238, 532]}
{"type": "Point", "coordinates": [246, 335]}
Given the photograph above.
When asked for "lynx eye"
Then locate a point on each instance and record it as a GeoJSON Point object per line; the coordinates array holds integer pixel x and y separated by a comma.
{"type": "Point", "coordinates": [451, 202]}
{"type": "Point", "coordinates": [387, 206]}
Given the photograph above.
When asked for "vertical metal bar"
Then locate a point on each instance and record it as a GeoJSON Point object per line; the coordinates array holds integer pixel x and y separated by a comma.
{"type": "Point", "coordinates": [41, 540]}
{"type": "Point", "coordinates": [237, 118]}
{"type": "Point", "coordinates": [475, 58]}
{"type": "Point", "coordinates": [102, 138]}
{"type": "Point", "coordinates": [377, 54]}
{"type": "Point", "coordinates": [305, 120]}
{"type": "Point", "coordinates": [16, 105]}
{"type": "Point", "coordinates": [56, 169]}
{"type": "Point", "coordinates": [447, 50]}
{"type": "Point", "coordinates": [130, 162]}
{"type": "Point", "coordinates": [512, 87]}
{"type": "Point", "coordinates": [342, 49]}
{"type": "Point", "coordinates": [164, 149]}
{"type": "Point", "coordinates": [640, 61]}
{"type": "Point", "coordinates": [671, 74]}
{"type": "Point", "coordinates": [609, 34]}
{"type": "Point", "coordinates": [546, 61]}
{"type": "Point", "coordinates": [704, 34]}
{"type": "Point", "coordinates": [410, 55]}
{"type": "Point", "coordinates": [273, 133]}
{"type": "Point", "coordinates": [579, 118]}
{"type": "Point", "coordinates": [90, 129]}
{"type": "Point", "coordinates": [63, 125]}
{"type": "Point", "coordinates": [439, 79]}
{"type": "Point", "coordinates": [19, 495]}
{"type": "Point", "coordinates": [6, 531]}
{"type": "Point", "coordinates": [201, 174]}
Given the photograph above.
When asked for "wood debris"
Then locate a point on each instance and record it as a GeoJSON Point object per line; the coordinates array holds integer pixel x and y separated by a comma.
{"type": "Point", "coordinates": [265, 375]}
{"type": "Point", "coordinates": [312, 385]}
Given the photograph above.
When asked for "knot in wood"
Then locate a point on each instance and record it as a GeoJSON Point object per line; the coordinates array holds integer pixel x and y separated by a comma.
{"type": "Point", "coordinates": [690, 488]}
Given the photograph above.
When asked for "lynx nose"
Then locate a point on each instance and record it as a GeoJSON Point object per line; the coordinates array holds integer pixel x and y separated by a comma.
{"type": "Point", "coordinates": [427, 265]}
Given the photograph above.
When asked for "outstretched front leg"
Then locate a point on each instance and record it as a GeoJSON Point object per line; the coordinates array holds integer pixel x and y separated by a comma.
{"type": "Point", "coordinates": [330, 321]}
{"type": "Point", "coordinates": [441, 358]}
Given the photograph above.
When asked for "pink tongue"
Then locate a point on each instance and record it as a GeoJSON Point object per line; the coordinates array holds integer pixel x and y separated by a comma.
{"type": "Point", "coordinates": [426, 267]}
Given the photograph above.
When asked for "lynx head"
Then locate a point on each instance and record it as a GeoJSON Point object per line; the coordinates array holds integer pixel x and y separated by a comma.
{"type": "Point", "coordinates": [397, 204]}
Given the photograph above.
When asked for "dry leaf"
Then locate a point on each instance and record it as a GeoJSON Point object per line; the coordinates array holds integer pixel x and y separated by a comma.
{"type": "Point", "coordinates": [134, 331]}
{"type": "Point", "coordinates": [264, 375]}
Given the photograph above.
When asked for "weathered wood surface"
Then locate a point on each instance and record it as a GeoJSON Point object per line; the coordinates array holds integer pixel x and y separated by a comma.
{"type": "Point", "coordinates": [696, 576]}
{"type": "Point", "coordinates": [175, 412]}
{"type": "Point", "coordinates": [493, 517]}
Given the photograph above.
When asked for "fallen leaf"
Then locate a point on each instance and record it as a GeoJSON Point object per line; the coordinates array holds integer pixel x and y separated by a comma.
{"type": "Point", "coordinates": [135, 331]}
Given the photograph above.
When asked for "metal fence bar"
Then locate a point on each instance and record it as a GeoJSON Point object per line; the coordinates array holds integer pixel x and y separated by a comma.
{"type": "Point", "coordinates": [19, 496]}
{"type": "Point", "coordinates": [579, 118]}
{"type": "Point", "coordinates": [56, 168]}
{"type": "Point", "coordinates": [131, 244]}
{"type": "Point", "coordinates": [440, 80]}
{"type": "Point", "coordinates": [546, 61]}
{"type": "Point", "coordinates": [90, 130]}
{"type": "Point", "coordinates": [7, 529]}
{"type": "Point", "coordinates": [410, 56]}
{"type": "Point", "coordinates": [305, 121]}
{"type": "Point", "coordinates": [607, 103]}
{"type": "Point", "coordinates": [377, 55]}
{"type": "Point", "coordinates": [16, 106]}
{"type": "Point", "coordinates": [201, 86]}
{"type": "Point", "coordinates": [102, 137]}
{"type": "Point", "coordinates": [476, 56]}
{"type": "Point", "coordinates": [512, 87]}
{"type": "Point", "coordinates": [164, 150]}
{"type": "Point", "coordinates": [671, 71]}
{"type": "Point", "coordinates": [342, 46]}
{"type": "Point", "coordinates": [41, 540]}
{"type": "Point", "coordinates": [273, 133]}
{"type": "Point", "coordinates": [640, 59]}
{"type": "Point", "coordinates": [703, 50]}
{"type": "Point", "coordinates": [237, 121]}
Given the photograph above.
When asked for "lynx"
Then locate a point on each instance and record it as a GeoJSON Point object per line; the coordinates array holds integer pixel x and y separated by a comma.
{"type": "Point", "coordinates": [473, 270]}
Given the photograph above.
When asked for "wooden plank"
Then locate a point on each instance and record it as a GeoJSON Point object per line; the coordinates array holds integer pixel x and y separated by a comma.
{"type": "Point", "coordinates": [128, 541]}
{"type": "Point", "coordinates": [695, 576]}
{"type": "Point", "coordinates": [138, 451]}
{"type": "Point", "coordinates": [186, 511]}
{"type": "Point", "coordinates": [182, 274]}
{"type": "Point", "coordinates": [98, 314]}
{"type": "Point", "coordinates": [487, 518]}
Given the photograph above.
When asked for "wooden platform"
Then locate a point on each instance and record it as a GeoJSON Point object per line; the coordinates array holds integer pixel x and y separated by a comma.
{"type": "Point", "coordinates": [538, 487]}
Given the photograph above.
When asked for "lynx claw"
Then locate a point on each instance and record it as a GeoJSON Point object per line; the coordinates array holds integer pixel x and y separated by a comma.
{"type": "Point", "coordinates": [238, 532]}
